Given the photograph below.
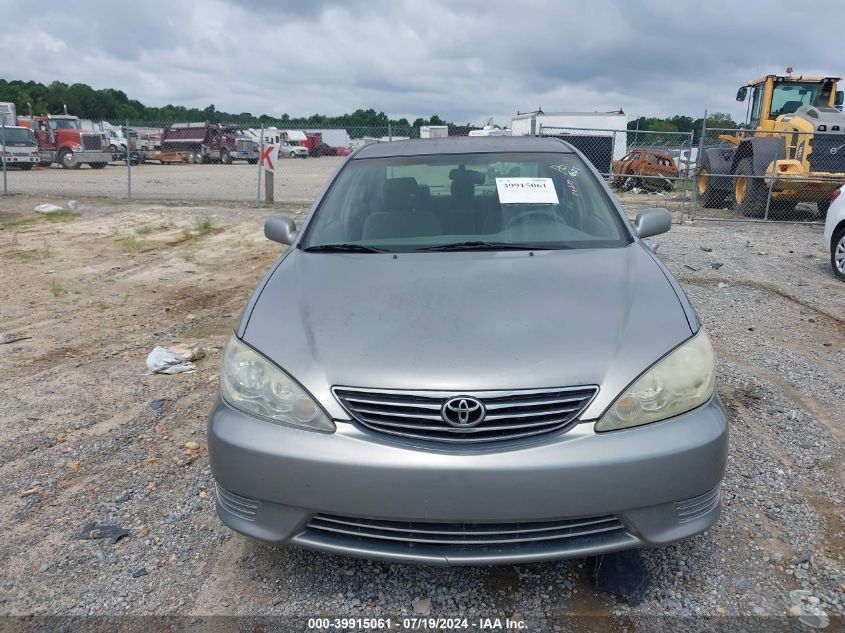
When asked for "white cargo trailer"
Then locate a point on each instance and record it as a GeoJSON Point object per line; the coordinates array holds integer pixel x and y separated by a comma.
{"type": "Point", "coordinates": [8, 114]}
{"type": "Point", "coordinates": [601, 136]}
{"type": "Point", "coordinates": [434, 131]}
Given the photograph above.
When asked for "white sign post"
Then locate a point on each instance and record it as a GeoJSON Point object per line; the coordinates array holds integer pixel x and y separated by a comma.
{"type": "Point", "coordinates": [268, 160]}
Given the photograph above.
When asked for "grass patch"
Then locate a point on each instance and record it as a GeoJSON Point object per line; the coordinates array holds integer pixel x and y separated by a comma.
{"type": "Point", "coordinates": [102, 307]}
{"type": "Point", "coordinates": [205, 226]}
{"type": "Point", "coordinates": [130, 244]}
{"type": "Point", "coordinates": [197, 332]}
{"type": "Point", "coordinates": [57, 288]}
{"type": "Point", "coordinates": [144, 230]}
{"type": "Point", "coordinates": [188, 256]}
{"type": "Point", "coordinates": [57, 216]}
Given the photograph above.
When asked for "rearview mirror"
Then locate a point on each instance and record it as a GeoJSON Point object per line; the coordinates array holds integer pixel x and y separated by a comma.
{"type": "Point", "coordinates": [839, 98]}
{"type": "Point", "coordinates": [651, 222]}
{"type": "Point", "coordinates": [280, 228]}
{"type": "Point", "coordinates": [742, 93]}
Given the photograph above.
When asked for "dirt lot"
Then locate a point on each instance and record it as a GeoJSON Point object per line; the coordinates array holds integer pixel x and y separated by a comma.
{"type": "Point", "coordinates": [95, 292]}
{"type": "Point", "coordinates": [296, 180]}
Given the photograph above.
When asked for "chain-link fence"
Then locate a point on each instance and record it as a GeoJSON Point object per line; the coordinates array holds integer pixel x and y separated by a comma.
{"type": "Point", "coordinates": [713, 174]}
{"type": "Point", "coordinates": [68, 158]}
{"type": "Point", "coordinates": [767, 176]}
{"type": "Point", "coordinates": [645, 168]}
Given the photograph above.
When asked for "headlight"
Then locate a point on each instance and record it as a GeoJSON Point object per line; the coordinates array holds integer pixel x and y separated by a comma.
{"type": "Point", "coordinates": [680, 382]}
{"type": "Point", "coordinates": [253, 384]}
{"type": "Point", "coordinates": [76, 148]}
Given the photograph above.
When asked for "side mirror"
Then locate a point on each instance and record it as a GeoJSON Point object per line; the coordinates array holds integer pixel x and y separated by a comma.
{"type": "Point", "coordinates": [651, 222]}
{"type": "Point", "coordinates": [280, 228]}
{"type": "Point", "coordinates": [742, 93]}
{"type": "Point", "coordinates": [839, 98]}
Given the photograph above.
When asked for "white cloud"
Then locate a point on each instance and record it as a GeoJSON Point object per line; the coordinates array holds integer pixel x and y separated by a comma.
{"type": "Point", "coordinates": [464, 61]}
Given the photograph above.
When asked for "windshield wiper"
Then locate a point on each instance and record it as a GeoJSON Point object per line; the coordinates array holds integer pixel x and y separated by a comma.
{"type": "Point", "coordinates": [478, 245]}
{"type": "Point", "coordinates": [343, 248]}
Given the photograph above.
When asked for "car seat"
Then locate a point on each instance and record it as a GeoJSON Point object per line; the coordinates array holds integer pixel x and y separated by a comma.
{"type": "Point", "coordinates": [401, 216]}
{"type": "Point", "coordinates": [463, 214]}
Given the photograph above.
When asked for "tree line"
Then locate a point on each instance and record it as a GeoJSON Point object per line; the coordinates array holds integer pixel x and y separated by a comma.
{"type": "Point", "coordinates": [115, 106]}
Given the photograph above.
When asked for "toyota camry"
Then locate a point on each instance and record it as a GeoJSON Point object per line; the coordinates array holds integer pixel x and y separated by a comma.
{"type": "Point", "coordinates": [468, 355]}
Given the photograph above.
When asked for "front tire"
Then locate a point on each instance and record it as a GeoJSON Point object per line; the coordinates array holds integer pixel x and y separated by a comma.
{"type": "Point", "coordinates": [749, 192]}
{"type": "Point", "coordinates": [630, 183]}
{"type": "Point", "coordinates": [225, 157]}
{"type": "Point", "coordinates": [67, 159]}
{"type": "Point", "coordinates": [837, 253]}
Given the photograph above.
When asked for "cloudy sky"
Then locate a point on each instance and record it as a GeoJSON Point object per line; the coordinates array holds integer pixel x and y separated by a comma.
{"type": "Point", "coordinates": [465, 60]}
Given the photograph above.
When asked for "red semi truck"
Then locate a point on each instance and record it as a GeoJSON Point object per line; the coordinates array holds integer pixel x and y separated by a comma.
{"type": "Point", "coordinates": [61, 140]}
{"type": "Point", "coordinates": [209, 143]}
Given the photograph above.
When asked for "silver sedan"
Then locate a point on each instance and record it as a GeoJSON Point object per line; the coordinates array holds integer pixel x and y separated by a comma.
{"type": "Point", "coordinates": [468, 355]}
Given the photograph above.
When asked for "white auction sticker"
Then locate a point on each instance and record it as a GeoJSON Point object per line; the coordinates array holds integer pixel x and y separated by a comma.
{"type": "Point", "coordinates": [526, 191]}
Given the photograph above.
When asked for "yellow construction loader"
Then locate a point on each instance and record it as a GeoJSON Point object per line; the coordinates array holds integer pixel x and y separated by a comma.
{"type": "Point", "coordinates": [792, 149]}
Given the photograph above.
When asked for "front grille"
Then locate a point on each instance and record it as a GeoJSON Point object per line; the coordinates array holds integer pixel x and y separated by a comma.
{"type": "Point", "coordinates": [821, 158]}
{"type": "Point", "coordinates": [509, 414]}
{"type": "Point", "coordinates": [691, 509]}
{"type": "Point", "coordinates": [381, 534]}
{"type": "Point", "coordinates": [92, 141]}
{"type": "Point", "coordinates": [243, 507]}
{"type": "Point", "coordinates": [244, 145]}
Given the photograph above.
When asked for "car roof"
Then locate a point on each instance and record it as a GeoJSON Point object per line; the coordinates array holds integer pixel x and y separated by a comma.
{"type": "Point", "coordinates": [463, 145]}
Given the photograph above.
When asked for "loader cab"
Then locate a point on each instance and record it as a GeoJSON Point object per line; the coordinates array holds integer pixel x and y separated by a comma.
{"type": "Point", "coordinates": [776, 95]}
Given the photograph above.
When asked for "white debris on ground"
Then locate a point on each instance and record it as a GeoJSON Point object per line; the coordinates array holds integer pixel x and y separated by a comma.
{"type": "Point", "coordinates": [174, 360]}
{"type": "Point", "coordinates": [48, 208]}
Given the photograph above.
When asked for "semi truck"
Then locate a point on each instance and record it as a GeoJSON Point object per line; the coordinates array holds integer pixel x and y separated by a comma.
{"type": "Point", "coordinates": [208, 142]}
{"type": "Point", "coordinates": [18, 147]}
{"type": "Point", "coordinates": [61, 140]}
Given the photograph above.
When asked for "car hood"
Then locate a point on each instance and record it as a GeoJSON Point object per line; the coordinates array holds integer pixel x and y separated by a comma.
{"type": "Point", "coordinates": [467, 321]}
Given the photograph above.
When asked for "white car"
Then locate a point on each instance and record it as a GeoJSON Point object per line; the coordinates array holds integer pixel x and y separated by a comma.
{"type": "Point", "coordinates": [293, 151]}
{"type": "Point", "coordinates": [834, 233]}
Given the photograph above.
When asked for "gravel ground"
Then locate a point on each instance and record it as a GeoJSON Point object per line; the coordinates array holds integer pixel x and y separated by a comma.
{"type": "Point", "coordinates": [80, 442]}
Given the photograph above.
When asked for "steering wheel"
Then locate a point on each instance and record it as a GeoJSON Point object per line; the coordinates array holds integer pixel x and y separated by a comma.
{"type": "Point", "coordinates": [532, 212]}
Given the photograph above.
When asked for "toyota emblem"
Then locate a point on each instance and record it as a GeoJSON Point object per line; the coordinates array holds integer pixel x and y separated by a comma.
{"type": "Point", "coordinates": [463, 412]}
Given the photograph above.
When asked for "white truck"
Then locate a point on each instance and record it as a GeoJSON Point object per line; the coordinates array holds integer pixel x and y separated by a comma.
{"type": "Point", "coordinates": [117, 141]}
{"type": "Point", "coordinates": [18, 147]}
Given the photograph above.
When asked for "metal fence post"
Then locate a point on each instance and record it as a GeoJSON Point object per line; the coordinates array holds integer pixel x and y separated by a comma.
{"type": "Point", "coordinates": [3, 145]}
{"type": "Point", "coordinates": [769, 196]}
{"type": "Point", "coordinates": [612, 151]}
{"type": "Point", "coordinates": [260, 154]}
{"type": "Point", "coordinates": [128, 161]}
{"type": "Point", "coordinates": [686, 179]}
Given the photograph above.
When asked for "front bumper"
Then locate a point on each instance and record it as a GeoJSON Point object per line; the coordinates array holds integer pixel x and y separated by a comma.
{"type": "Point", "coordinates": [12, 159]}
{"type": "Point", "coordinates": [91, 156]}
{"type": "Point", "coordinates": [645, 486]}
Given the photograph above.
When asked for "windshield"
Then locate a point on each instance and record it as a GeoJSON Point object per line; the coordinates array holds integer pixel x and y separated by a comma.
{"type": "Point", "coordinates": [67, 124]}
{"type": "Point", "coordinates": [18, 136]}
{"type": "Point", "coordinates": [547, 200]}
{"type": "Point", "coordinates": [788, 97]}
